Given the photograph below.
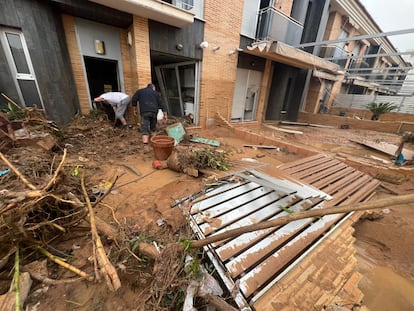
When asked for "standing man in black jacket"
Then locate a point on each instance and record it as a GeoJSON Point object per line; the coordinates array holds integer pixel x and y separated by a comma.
{"type": "Point", "coordinates": [149, 102]}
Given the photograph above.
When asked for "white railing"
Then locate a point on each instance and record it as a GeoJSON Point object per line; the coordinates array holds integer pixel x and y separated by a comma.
{"type": "Point", "coordinates": [354, 101]}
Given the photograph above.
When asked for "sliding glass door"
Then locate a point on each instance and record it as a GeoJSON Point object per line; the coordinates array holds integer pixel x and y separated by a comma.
{"type": "Point", "coordinates": [178, 85]}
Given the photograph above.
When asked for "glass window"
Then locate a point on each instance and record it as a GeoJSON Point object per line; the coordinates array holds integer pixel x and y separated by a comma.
{"type": "Point", "coordinates": [30, 94]}
{"type": "Point", "coordinates": [183, 4]}
{"type": "Point", "coordinates": [343, 34]}
{"type": "Point", "coordinates": [22, 73]}
{"type": "Point", "coordinates": [17, 52]}
{"type": "Point", "coordinates": [188, 4]}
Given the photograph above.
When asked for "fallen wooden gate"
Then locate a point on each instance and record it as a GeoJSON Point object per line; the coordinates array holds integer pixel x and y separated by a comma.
{"type": "Point", "coordinates": [252, 263]}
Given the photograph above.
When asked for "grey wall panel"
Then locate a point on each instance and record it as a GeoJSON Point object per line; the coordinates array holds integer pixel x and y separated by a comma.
{"type": "Point", "coordinates": [41, 25]}
{"type": "Point", "coordinates": [89, 31]}
{"type": "Point", "coordinates": [250, 15]}
{"type": "Point", "coordinates": [353, 101]}
{"type": "Point", "coordinates": [8, 13]}
{"type": "Point", "coordinates": [164, 38]}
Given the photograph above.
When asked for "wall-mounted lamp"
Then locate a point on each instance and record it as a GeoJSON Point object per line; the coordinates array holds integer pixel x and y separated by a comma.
{"type": "Point", "coordinates": [179, 47]}
{"type": "Point", "coordinates": [215, 48]}
{"type": "Point", "coordinates": [99, 47]}
{"type": "Point", "coordinates": [129, 38]}
{"type": "Point", "coordinates": [231, 52]}
{"type": "Point", "coordinates": [204, 45]}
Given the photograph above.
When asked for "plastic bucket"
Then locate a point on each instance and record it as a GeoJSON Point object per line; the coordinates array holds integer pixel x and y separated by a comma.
{"type": "Point", "coordinates": [162, 146]}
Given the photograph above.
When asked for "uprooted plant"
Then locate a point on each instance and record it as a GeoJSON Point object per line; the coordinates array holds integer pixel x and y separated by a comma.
{"type": "Point", "coordinates": [198, 158]}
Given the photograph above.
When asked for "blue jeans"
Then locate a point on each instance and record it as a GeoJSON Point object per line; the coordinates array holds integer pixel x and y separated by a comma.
{"type": "Point", "coordinates": [148, 122]}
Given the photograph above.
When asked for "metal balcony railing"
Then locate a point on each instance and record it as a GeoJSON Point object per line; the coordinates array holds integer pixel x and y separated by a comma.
{"type": "Point", "coordinates": [360, 64]}
{"type": "Point", "coordinates": [276, 26]}
{"type": "Point", "coordinates": [184, 4]}
{"type": "Point", "coordinates": [181, 4]}
{"type": "Point", "coordinates": [332, 51]}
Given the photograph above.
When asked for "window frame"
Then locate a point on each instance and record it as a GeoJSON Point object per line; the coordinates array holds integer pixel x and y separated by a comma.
{"type": "Point", "coordinates": [18, 76]}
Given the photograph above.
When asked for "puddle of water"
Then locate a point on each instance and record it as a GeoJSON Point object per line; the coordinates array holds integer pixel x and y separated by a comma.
{"type": "Point", "coordinates": [386, 290]}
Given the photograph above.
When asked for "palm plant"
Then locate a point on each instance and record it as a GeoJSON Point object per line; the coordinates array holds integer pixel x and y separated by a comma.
{"type": "Point", "coordinates": [378, 109]}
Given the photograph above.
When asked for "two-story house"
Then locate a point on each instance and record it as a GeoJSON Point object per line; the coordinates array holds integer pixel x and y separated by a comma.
{"type": "Point", "coordinates": [369, 62]}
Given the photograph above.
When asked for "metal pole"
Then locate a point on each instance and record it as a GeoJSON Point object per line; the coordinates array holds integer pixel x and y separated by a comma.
{"type": "Point", "coordinates": [388, 68]}
{"type": "Point", "coordinates": [371, 55]}
{"type": "Point", "coordinates": [376, 35]}
{"type": "Point", "coordinates": [396, 74]}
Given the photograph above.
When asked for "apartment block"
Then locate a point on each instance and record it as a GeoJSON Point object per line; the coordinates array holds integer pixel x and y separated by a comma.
{"type": "Point", "coordinates": [249, 61]}
{"type": "Point", "coordinates": [244, 60]}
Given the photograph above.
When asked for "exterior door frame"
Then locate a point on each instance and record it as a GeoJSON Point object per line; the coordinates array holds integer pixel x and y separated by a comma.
{"type": "Point", "coordinates": [158, 71]}
{"type": "Point", "coordinates": [30, 76]}
{"type": "Point", "coordinates": [243, 92]}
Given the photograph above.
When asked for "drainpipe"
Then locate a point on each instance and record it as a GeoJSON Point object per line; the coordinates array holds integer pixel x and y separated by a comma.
{"type": "Point", "coordinates": [319, 36]}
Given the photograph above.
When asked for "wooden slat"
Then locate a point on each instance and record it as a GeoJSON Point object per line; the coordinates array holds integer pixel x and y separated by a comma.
{"type": "Point", "coordinates": [363, 192]}
{"type": "Point", "coordinates": [312, 179]}
{"type": "Point", "coordinates": [296, 163]}
{"type": "Point", "coordinates": [328, 179]}
{"type": "Point", "coordinates": [308, 165]}
{"type": "Point", "coordinates": [352, 177]}
{"type": "Point", "coordinates": [347, 191]}
{"type": "Point", "coordinates": [314, 169]}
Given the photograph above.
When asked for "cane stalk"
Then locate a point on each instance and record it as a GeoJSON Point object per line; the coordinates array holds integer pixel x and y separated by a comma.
{"type": "Point", "coordinates": [65, 265]}
{"type": "Point", "coordinates": [106, 268]}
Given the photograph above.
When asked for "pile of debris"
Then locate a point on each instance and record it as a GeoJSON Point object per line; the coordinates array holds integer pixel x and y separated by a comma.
{"type": "Point", "coordinates": [46, 199]}
{"type": "Point", "coordinates": [25, 127]}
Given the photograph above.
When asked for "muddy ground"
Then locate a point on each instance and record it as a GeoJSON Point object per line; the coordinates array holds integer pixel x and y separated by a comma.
{"type": "Point", "coordinates": [139, 208]}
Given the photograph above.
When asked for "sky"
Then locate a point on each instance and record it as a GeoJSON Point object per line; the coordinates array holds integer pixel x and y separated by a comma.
{"type": "Point", "coordinates": [391, 15]}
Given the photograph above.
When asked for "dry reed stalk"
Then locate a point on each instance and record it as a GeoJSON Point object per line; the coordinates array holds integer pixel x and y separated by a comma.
{"type": "Point", "coordinates": [106, 268]}
{"type": "Point", "coordinates": [16, 171]}
{"type": "Point", "coordinates": [65, 265]}
{"type": "Point", "coordinates": [55, 175]}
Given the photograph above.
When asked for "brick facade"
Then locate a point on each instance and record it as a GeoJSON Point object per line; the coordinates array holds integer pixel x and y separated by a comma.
{"type": "Point", "coordinates": [218, 74]}
{"type": "Point", "coordinates": [76, 63]}
{"type": "Point", "coordinates": [140, 55]}
{"type": "Point", "coordinates": [136, 69]}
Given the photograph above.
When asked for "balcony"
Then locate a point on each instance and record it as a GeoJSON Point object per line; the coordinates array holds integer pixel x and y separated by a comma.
{"type": "Point", "coordinates": [273, 25]}
{"type": "Point", "coordinates": [181, 4]}
{"type": "Point", "coordinates": [357, 64]}
{"type": "Point", "coordinates": [174, 14]}
{"type": "Point", "coordinates": [333, 51]}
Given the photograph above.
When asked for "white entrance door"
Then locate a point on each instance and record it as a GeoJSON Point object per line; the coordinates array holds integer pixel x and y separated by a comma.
{"type": "Point", "coordinates": [246, 95]}
{"type": "Point", "coordinates": [21, 67]}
